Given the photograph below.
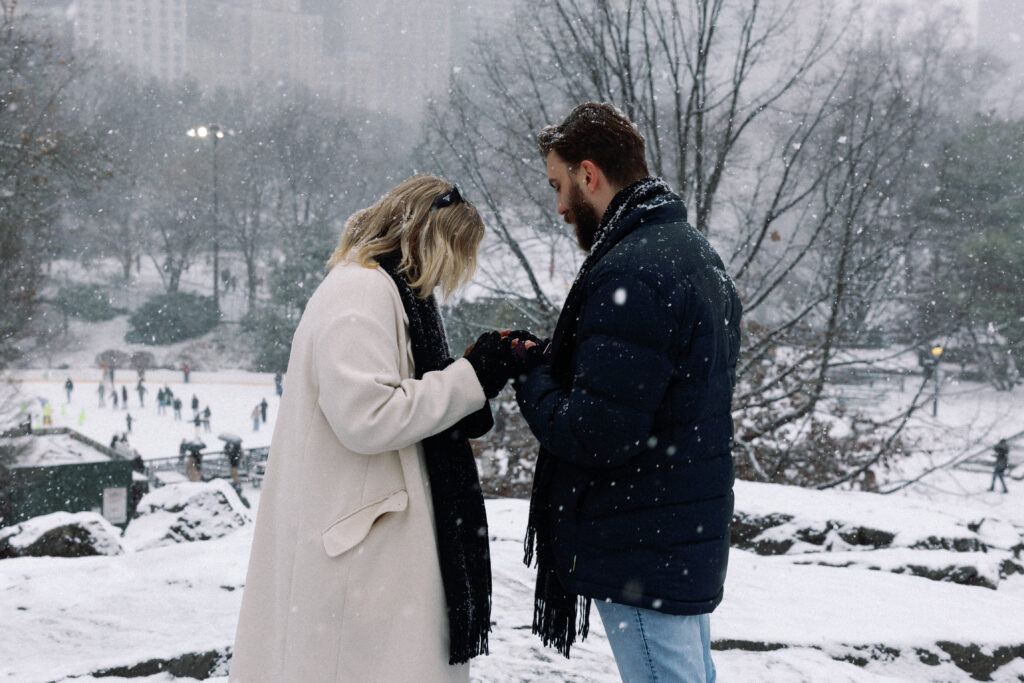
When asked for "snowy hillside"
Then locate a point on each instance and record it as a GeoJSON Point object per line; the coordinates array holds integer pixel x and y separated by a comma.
{"type": "Point", "coordinates": [173, 608]}
{"type": "Point", "coordinates": [925, 584]}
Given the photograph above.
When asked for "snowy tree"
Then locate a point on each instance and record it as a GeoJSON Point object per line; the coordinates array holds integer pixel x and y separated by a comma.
{"type": "Point", "coordinates": [971, 263]}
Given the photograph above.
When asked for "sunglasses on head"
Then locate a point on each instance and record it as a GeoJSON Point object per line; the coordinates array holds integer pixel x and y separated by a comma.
{"type": "Point", "coordinates": [452, 196]}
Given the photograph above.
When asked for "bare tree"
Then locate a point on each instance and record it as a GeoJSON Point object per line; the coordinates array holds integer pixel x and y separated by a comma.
{"type": "Point", "coordinates": [45, 157]}
{"type": "Point", "coordinates": [795, 140]}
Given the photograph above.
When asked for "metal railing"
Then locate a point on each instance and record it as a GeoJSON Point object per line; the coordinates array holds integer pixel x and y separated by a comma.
{"type": "Point", "coordinates": [214, 465]}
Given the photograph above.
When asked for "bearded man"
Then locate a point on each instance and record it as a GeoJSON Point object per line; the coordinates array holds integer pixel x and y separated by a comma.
{"type": "Point", "coordinates": [630, 401]}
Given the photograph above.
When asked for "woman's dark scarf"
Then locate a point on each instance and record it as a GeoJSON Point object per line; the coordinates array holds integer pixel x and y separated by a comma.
{"type": "Point", "coordinates": [459, 513]}
{"type": "Point", "coordinates": [559, 616]}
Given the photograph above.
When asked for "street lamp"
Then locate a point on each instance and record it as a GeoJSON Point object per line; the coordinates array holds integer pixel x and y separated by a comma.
{"type": "Point", "coordinates": [215, 133]}
{"type": "Point", "coordinates": [936, 354]}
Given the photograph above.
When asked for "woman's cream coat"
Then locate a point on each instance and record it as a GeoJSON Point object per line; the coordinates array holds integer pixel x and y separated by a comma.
{"type": "Point", "coordinates": [344, 582]}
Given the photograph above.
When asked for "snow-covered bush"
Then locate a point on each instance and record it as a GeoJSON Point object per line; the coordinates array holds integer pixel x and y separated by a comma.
{"type": "Point", "coordinates": [88, 302]}
{"type": "Point", "coordinates": [170, 318]}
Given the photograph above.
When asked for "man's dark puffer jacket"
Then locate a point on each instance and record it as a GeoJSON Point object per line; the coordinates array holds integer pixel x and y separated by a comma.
{"type": "Point", "coordinates": [635, 412]}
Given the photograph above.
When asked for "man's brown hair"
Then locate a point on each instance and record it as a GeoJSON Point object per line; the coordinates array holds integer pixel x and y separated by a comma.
{"type": "Point", "coordinates": [602, 134]}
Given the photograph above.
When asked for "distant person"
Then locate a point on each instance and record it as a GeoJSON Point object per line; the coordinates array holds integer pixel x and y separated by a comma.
{"type": "Point", "coordinates": [263, 410]}
{"type": "Point", "coordinates": [113, 395]}
{"type": "Point", "coordinates": [194, 462]}
{"type": "Point", "coordinates": [1002, 450]}
{"type": "Point", "coordinates": [113, 441]}
{"type": "Point", "coordinates": [233, 449]}
{"type": "Point", "coordinates": [186, 371]}
{"type": "Point", "coordinates": [255, 415]}
{"type": "Point", "coordinates": [197, 421]}
{"type": "Point", "coordinates": [195, 405]}
{"type": "Point", "coordinates": [47, 413]}
{"type": "Point", "coordinates": [124, 396]}
{"type": "Point", "coordinates": [68, 387]}
{"type": "Point", "coordinates": [128, 420]}
{"type": "Point", "coordinates": [206, 418]}
{"type": "Point", "coordinates": [161, 401]}
{"type": "Point", "coordinates": [278, 384]}
{"type": "Point", "coordinates": [111, 375]}
{"type": "Point", "coordinates": [101, 391]}
{"type": "Point", "coordinates": [142, 394]}
{"type": "Point", "coordinates": [142, 373]}
{"type": "Point", "coordinates": [177, 408]}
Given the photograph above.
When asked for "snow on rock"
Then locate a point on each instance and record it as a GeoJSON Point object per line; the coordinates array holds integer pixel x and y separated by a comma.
{"type": "Point", "coordinates": [189, 511]}
{"type": "Point", "coordinates": [61, 534]}
{"type": "Point", "coordinates": [870, 531]}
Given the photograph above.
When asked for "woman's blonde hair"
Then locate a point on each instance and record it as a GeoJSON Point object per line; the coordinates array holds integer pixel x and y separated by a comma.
{"type": "Point", "coordinates": [438, 245]}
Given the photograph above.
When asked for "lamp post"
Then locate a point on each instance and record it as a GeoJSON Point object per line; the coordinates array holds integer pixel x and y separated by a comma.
{"type": "Point", "coordinates": [936, 354]}
{"type": "Point", "coordinates": [215, 133]}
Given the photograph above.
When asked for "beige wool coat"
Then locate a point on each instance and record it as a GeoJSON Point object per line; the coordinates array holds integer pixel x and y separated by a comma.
{"type": "Point", "coordinates": [343, 581]}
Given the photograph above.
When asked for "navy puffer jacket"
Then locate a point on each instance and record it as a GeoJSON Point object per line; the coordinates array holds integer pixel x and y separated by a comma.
{"type": "Point", "coordinates": [634, 413]}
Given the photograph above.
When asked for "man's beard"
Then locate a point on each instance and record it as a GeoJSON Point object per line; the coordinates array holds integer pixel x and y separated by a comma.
{"type": "Point", "coordinates": [583, 216]}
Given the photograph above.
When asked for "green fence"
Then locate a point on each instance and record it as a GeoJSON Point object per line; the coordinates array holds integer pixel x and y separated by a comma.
{"type": "Point", "coordinates": [104, 487]}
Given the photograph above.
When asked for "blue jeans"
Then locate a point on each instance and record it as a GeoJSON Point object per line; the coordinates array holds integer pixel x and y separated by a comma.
{"type": "Point", "coordinates": [653, 646]}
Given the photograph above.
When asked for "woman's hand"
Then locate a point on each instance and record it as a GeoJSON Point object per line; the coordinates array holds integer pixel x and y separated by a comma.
{"type": "Point", "coordinates": [492, 359]}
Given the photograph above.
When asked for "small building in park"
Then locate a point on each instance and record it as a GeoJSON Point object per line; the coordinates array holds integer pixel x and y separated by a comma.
{"type": "Point", "coordinates": [58, 469]}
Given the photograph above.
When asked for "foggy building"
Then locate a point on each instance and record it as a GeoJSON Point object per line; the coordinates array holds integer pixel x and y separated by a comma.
{"type": "Point", "coordinates": [1001, 34]}
{"type": "Point", "coordinates": [238, 44]}
{"type": "Point", "coordinates": [476, 20]}
{"type": "Point", "coordinates": [1001, 30]}
{"type": "Point", "coordinates": [146, 35]}
{"type": "Point", "coordinates": [395, 54]}
{"type": "Point", "coordinates": [391, 56]}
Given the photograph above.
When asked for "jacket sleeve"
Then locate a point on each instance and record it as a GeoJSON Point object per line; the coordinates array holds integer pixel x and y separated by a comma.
{"type": "Point", "coordinates": [622, 368]}
{"type": "Point", "coordinates": [370, 407]}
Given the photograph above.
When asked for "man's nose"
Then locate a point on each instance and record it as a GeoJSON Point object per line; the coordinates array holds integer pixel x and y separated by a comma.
{"type": "Point", "coordinates": [562, 208]}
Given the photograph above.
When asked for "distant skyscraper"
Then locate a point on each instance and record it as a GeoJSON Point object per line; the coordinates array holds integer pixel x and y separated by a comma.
{"type": "Point", "coordinates": [476, 20]}
{"type": "Point", "coordinates": [391, 56]}
{"type": "Point", "coordinates": [1001, 33]}
{"type": "Point", "coordinates": [145, 35]}
{"type": "Point", "coordinates": [1001, 29]}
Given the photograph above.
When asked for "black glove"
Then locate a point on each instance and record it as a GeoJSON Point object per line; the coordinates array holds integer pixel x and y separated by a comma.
{"type": "Point", "coordinates": [526, 359]}
{"type": "Point", "coordinates": [474, 425]}
{"type": "Point", "coordinates": [492, 359]}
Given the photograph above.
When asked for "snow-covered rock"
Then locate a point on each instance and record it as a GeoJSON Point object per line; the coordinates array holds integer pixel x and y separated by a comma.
{"type": "Point", "coordinates": [189, 511]}
{"type": "Point", "coordinates": [871, 531]}
{"type": "Point", "coordinates": [61, 534]}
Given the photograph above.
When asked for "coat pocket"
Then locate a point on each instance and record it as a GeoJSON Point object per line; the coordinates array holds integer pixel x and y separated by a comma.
{"type": "Point", "coordinates": [345, 533]}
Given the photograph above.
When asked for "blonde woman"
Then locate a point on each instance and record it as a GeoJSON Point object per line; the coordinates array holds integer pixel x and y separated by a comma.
{"type": "Point", "coordinates": [369, 559]}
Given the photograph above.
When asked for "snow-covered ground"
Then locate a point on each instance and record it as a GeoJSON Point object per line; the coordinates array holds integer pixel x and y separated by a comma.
{"type": "Point", "coordinates": [811, 614]}
{"type": "Point", "coordinates": [230, 394]}
{"type": "Point", "coordinates": [826, 605]}
{"type": "Point", "coordinates": [82, 618]}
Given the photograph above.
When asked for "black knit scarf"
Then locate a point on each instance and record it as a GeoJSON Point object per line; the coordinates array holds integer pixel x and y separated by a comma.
{"type": "Point", "coordinates": [558, 615]}
{"type": "Point", "coordinates": [459, 513]}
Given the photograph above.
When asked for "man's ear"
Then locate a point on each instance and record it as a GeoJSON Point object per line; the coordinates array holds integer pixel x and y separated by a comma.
{"type": "Point", "coordinates": [591, 175]}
